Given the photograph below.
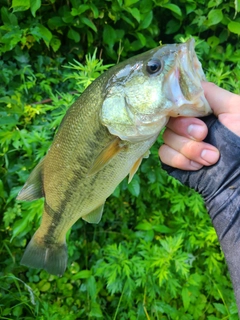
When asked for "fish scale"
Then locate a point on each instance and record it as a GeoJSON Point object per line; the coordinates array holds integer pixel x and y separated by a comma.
{"type": "Point", "coordinates": [103, 138]}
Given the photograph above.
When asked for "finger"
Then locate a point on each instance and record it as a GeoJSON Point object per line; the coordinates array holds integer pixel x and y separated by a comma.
{"type": "Point", "coordinates": [200, 152]}
{"type": "Point", "coordinates": [175, 159]}
{"type": "Point", "coordinates": [225, 105]}
{"type": "Point", "coordinates": [192, 128]}
{"type": "Point", "coordinates": [220, 100]}
{"type": "Point", "coordinates": [231, 121]}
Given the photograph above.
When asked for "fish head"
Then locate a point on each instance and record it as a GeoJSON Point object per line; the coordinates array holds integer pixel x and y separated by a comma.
{"type": "Point", "coordinates": [144, 91]}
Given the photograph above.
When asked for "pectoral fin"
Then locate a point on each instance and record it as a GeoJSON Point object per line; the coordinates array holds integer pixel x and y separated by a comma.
{"type": "Point", "coordinates": [106, 155]}
{"type": "Point", "coordinates": [94, 216]}
{"type": "Point", "coordinates": [33, 187]}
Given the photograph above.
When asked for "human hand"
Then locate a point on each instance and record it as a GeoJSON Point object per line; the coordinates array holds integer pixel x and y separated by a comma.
{"type": "Point", "coordinates": [184, 148]}
{"type": "Point", "coordinates": [184, 153]}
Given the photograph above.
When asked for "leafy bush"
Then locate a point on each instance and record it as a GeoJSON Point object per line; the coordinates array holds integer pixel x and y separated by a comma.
{"type": "Point", "coordinates": [155, 254]}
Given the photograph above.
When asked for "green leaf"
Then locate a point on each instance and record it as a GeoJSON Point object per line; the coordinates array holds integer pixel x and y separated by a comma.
{"type": "Point", "coordinates": [17, 311]}
{"type": "Point", "coordinates": [94, 10]}
{"type": "Point", "coordinates": [129, 3]}
{"type": "Point", "coordinates": [2, 192]}
{"type": "Point", "coordinates": [162, 229]}
{"type": "Point", "coordinates": [148, 235]}
{"type": "Point", "coordinates": [34, 6]}
{"type": "Point", "coordinates": [55, 43]}
{"type": "Point", "coordinates": [74, 35]}
{"type": "Point", "coordinates": [20, 5]}
{"type": "Point", "coordinates": [84, 274]}
{"type": "Point", "coordinates": [8, 18]}
{"type": "Point", "coordinates": [19, 226]}
{"type": "Point", "coordinates": [55, 22]}
{"type": "Point", "coordinates": [81, 9]}
{"type": "Point", "coordinates": [237, 7]}
{"type": "Point", "coordinates": [6, 311]}
{"type": "Point", "coordinates": [172, 26]}
{"type": "Point", "coordinates": [145, 23]}
{"type": "Point", "coordinates": [190, 7]}
{"type": "Point", "coordinates": [141, 38]}
{"type": "Point", "coordinates": [68, 18]}
{"type": "Point", "coordinates": [234, 27]}
{"type": "Point", "coordinates": [41, 32]}
{"type": "Point", "coordinates": [11, 39]}
{"type": "Point", "coordinates": [213, 41]}
{"type": "Point", "coordinates": [214, 3]}
{"type": "Point", "coordinates": [134, 187]}
{"type": "Point", "coordinates": [144, 226]}
{"type": "Point", "coordinates": [135, 45]}
{"type": "Point", "coordinates": [129, 21]}
{"type": "Point", "coordinates": [8, 120]}
{"type": "Point", "coordinates": [173, 7]}
{"type": "Point", "coordinates": [135, 13]}
{"type": "Point", "coordinates": [109, 35]}
{"type": "Point", "coordinates": [91, 287]}
{"type": "Point", "coordinates": [44, 286]}
{"type": "Point", "coordinates": [214, 17]}
{"type": "Point", "coordinates": [221, 308]}
{"type": "Point", "coordinates": [88, 23]}
{"type": "Point", "coordinates": [95, 311]}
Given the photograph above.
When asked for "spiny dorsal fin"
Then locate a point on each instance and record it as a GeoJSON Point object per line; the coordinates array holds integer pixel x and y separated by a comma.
{"type": "Point", "coordinates": [32, 189]}
{"type": "Point", "coordinates": [112, 149]}
{"type": "Point", "coordinates": [94, 216]}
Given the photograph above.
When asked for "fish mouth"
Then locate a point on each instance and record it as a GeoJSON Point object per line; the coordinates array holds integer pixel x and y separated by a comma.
{"type": "Point", "coordinates": [183, 83]}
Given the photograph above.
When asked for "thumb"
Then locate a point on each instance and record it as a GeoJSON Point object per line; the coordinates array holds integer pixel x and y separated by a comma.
{"type": "Point", "coordinates": [225, 105]}
{"type": "Point", "coordinates": [220, 100]}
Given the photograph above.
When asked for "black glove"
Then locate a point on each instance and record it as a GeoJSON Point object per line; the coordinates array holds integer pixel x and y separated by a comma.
{"type": "Point", "coordinates": [220, 187]}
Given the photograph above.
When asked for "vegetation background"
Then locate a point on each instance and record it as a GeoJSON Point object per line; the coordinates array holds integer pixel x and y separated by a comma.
{"type": "Point", "coordinates": [155, 254]}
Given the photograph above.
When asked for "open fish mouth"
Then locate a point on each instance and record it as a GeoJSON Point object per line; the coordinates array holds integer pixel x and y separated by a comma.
{"type": "Point", "coordinates": [183, 83]}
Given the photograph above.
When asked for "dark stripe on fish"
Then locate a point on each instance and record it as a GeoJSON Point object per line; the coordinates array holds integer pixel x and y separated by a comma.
{"type": "Point", "coordinates": [79, 174]}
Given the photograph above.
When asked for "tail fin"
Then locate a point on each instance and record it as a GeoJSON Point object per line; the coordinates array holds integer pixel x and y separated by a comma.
{"type": "Point", "coordinates": [51, 257]}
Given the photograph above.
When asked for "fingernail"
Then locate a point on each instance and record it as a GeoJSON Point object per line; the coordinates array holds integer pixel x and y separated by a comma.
{"type": "Point", "coordinates": [196, 131]}
{"type": "Point", "coordinates": [196, 165]}
{"type": "Point", "coordinates": [210, 156]}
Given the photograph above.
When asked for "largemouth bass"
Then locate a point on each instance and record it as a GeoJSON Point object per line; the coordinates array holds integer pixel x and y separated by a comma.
{"type": "Point", "coordinates": [103, 138]}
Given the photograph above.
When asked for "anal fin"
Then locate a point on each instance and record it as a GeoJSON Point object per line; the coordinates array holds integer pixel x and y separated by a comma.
{"type": "Point", "coordinates": [95, 215]}
{"type": "Point", "coordinates": [32, 189]}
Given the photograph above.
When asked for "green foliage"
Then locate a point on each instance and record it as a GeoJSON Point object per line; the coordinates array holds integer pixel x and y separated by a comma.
{"type": "Point", "coordinates": [155, 254]}
{"type": "Point", "coordinates": [86, 74]}
{"type": "Point", "coordinates": [117, 27]}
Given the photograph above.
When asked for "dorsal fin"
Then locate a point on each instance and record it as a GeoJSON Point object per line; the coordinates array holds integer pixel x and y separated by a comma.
{"type": "Point", "coordinates": [33, 189]}
{"type": "Point", "coordinates": [111, 150]}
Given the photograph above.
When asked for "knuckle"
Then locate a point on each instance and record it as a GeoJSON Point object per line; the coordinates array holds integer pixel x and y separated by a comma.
{"type": "Point", "coordinates": [192, 149]}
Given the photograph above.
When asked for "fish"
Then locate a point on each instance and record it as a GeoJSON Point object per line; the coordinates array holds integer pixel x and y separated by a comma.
{"type": "Point", "coordinates": [103, 138]}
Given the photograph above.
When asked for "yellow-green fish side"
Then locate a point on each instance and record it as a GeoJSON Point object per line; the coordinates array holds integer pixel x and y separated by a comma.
{"type": "Point", "coordinates": [69, 189]}
{"type": "Point", "coordinates": [102, 139]}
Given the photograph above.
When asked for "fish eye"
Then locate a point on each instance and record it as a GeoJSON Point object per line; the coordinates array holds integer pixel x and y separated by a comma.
{"type": "Point", "coordinates": [154, 66]}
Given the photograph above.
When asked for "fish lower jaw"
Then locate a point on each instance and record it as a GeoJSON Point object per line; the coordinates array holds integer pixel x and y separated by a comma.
{"type": "Point", "coordinates": [194, 109]}
{"type": "Point", "coordinates": [140, 131]}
